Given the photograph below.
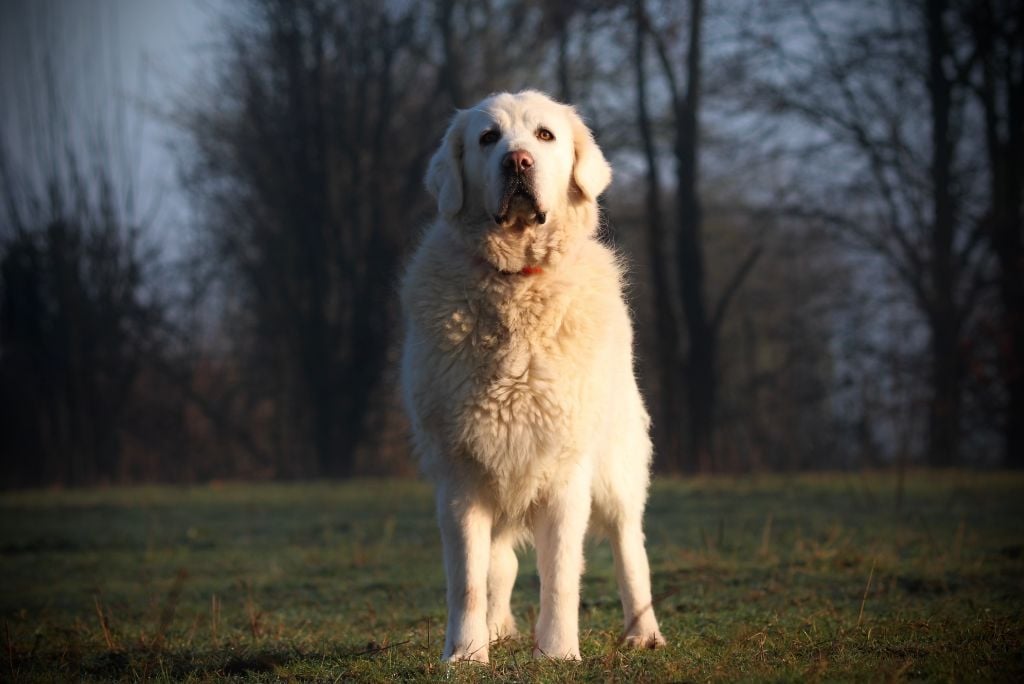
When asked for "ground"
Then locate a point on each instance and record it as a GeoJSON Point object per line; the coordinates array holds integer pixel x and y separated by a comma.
{"type": "Point", "coordinates": [839, 576]}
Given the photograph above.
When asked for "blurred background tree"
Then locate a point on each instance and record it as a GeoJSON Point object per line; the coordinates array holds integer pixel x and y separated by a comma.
{"type": "Point", "coordinates": [81, 328]}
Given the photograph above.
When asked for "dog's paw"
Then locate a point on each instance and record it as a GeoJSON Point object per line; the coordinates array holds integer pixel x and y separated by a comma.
{"type": "Point", "coordinates": [502, 628]}
{"type": "Point", "coordinates": [644, 640]}
{"type": "Point", "coordinates": [554, 648]}
{"type": "Point", "coordinates": [463, 655]}
{"type": "Point", "coordinates": [555, 654]}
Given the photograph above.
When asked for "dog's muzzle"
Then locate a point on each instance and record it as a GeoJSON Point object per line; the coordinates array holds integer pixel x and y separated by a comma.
{"type": "Point", "coordinates": [518, 200]}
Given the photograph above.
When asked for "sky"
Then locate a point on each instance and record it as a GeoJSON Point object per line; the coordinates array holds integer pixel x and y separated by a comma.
{"type": "Point", "coordinates": [118, 64]}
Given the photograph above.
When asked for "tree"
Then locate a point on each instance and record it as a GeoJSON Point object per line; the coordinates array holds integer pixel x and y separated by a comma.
{"type": "Point", "coordinates": [306, 158]}
{"type": "Point", "coordinates": [866, 82]}
{"type": "Point", "coordinates": [668, 408]}
{"type": "Point", "coordinates": [79, 320]}
{"type": "Point", "coordinates": [75, 331]}
{"type": "Point", "coordinates": [996, 31]}
{"type": "Point", "coordinates": [682, 274]}
{"type": "Point", "coordinates": [309, 181]}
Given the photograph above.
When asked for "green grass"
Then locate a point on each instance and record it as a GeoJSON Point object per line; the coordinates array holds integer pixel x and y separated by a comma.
{"type": "Point", "coordinates": [782, 578]}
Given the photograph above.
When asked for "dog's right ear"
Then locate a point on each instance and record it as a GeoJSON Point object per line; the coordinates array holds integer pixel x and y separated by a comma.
{"type": "Point", "coordinates": [591, 172]}
{"type": "Point", "coordinates": [444, 174]}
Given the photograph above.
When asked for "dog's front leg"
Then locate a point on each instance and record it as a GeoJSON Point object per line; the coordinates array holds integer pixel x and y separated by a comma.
{"type": "Point", "coordinates": [559, 526]}
{"type": "Point", "coordinates": [466, 534]}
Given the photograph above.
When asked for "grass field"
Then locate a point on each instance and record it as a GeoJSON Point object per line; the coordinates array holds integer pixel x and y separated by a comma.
{"type": "Point", "coordinates": [794, 578]}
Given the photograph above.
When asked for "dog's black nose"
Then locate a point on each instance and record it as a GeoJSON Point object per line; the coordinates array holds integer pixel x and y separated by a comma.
{"type": "Point", "coordinates": [517, 161]}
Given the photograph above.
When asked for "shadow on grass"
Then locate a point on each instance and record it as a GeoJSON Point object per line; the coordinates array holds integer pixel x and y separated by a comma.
{"type": "Point", "coordinates": [174, 665]}
{"type": "Point", "coordinates": [178, 665]}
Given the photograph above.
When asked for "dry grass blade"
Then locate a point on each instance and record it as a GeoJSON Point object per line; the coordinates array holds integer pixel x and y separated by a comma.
{"type": "Point", "coordinates": [373, 649]}
{"type": "Point", "coordinates": [10, 650]}
{"type": "Point", "coordinates": [867, 588]}
{"type": "Point", "coordinates": [214, 617]}
{"type": "Point", "coordinates": [254, 615]}
{"type": "Point", "coordinates": [169, 607]}
{"type": "Point", "coordinates": [104, 627]}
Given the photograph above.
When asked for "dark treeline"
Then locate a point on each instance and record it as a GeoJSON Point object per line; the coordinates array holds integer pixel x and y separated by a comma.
{"type": "Point", "coordinates": [821, 203]}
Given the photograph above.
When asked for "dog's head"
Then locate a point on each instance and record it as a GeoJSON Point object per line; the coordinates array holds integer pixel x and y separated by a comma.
{"type": "Point", "coordinates": [519, 175]}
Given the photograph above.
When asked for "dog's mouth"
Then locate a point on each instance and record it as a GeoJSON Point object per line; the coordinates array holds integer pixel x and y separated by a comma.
{"type": "Point", "coordinates": [519, 207]}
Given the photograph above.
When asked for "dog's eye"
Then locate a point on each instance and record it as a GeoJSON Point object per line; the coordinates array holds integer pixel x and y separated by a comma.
{"type": "Point", "coordinates": [545, 135]}
{"type": "Point", "coordinates": [489, 137]}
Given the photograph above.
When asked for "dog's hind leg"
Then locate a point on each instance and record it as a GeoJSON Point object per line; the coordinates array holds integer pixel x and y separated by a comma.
{"type": "Point", "coordinates": [501, 577]}
{"type": "Point", "coordinates": [634, 577]}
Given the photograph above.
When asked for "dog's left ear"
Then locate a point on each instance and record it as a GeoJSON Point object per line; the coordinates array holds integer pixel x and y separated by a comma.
{"type": "Point", "coordinates": [444, 173]}
{"type": "Point", "coordinates": [591, 173]}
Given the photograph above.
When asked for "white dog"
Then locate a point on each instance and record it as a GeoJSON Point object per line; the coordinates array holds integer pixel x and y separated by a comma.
{"type": "Point", "coordinates": [517, 374]}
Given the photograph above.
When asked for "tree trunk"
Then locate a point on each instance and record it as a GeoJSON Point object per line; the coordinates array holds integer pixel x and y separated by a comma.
{"type": "Point", "coordinates": [1001, 92]}
{"type": "Point", "coordinates": [451, 70]}
{"type": "Point", "coordinates": [701, 376]}
{"type": "Point", "coordinates": [1014, 373]}
{"type": "Point", "coordinates": [1007, 163]}
{"type": "Point", "coordinates": [944, 411]}
{"type": "Point", "coordinates": [668, 436]}
{"type": "Point", "coordinates": [1011, 258]}
{"type": "Point", "coordinates": [564, 77]}
{"type": "Point", "coordinates": [944, 428]}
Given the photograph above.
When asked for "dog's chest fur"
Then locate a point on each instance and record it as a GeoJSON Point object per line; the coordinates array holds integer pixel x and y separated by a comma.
{"type": "Point", "coordinates": [510, 335]}
{"type": "Point", "coordinates": [512, 353]}
{"type": "Point", "coordinates": [504, 372]}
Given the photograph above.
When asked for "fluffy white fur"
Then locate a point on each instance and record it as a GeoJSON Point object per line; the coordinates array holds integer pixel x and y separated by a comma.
{"type": "Point", "coordinates": [520, 387]}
